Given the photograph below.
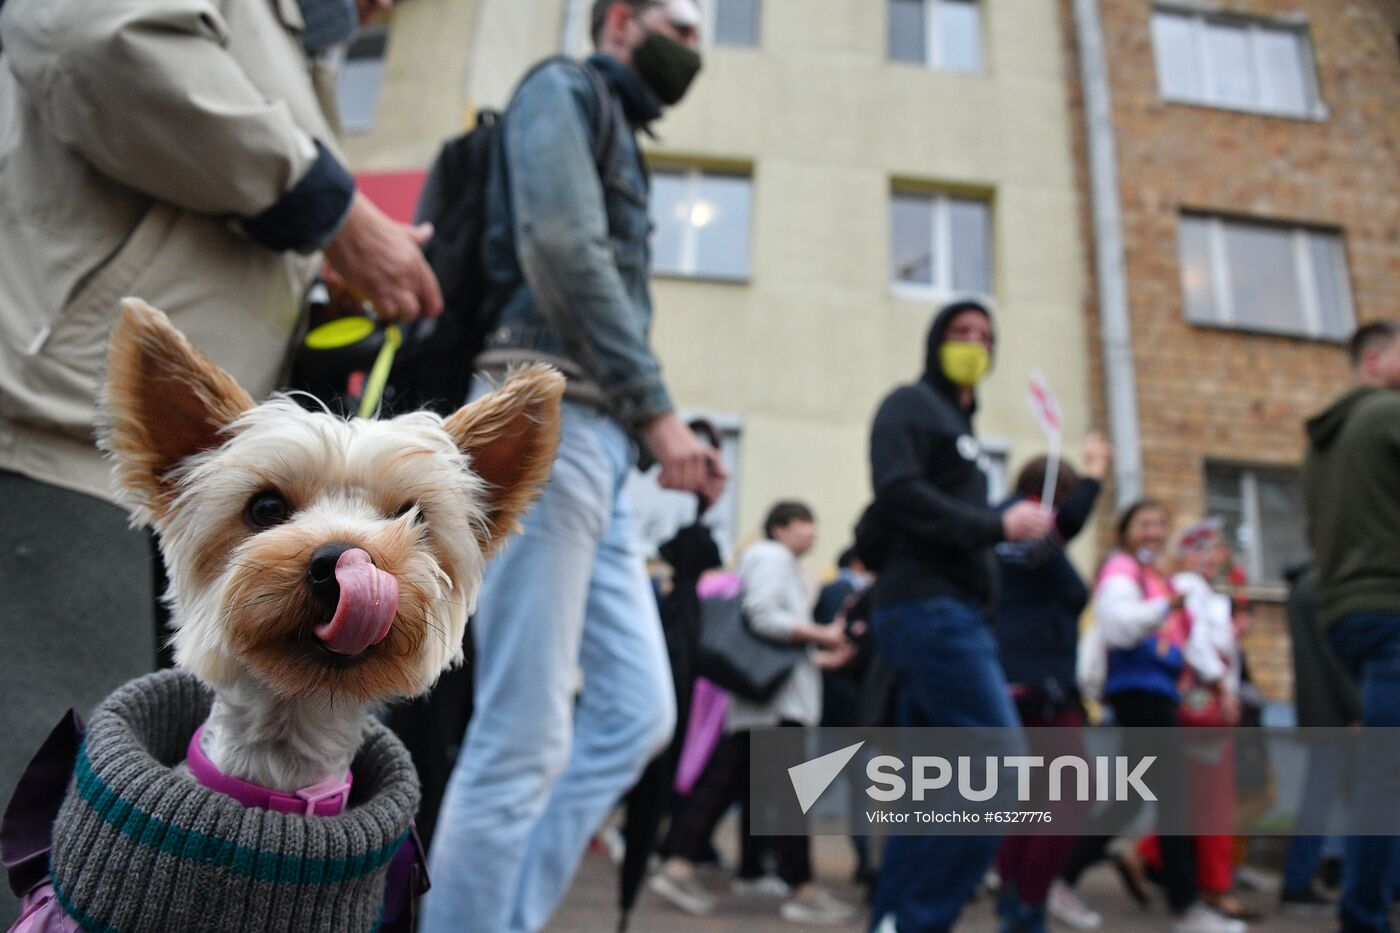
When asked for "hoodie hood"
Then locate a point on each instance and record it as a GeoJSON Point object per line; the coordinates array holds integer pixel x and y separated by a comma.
{"type": "Point", "coordinates": [933, 367]}
{"type": "Point", "coordinates": [1324, 428]}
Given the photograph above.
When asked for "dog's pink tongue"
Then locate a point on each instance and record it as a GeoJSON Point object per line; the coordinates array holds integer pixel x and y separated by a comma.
{"type": "Point", "coordinates": [369, 597]}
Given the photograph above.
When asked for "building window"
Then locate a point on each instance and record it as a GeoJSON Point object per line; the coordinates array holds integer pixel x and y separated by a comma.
{"type": "Point", "coordinates": [994, 462]}
{"type": "Point", "coordinates": [733, 22]}
{"type": "Point", "coordinates": [938, 33]}
{"type": "Point", "coordinates": [1267, 277]}
{"type": "Point", "coordinates": [360, 78]}
{"type": "Point", "coordinates": [940, 244]}
{"type": "Point", "coordinates": [660, 513]}
{"type": "Point", "coordinates": [1265, 521]}
{"type": "Point", "coordinates": [701, 224]}
{"type": "Point", "coordinates": [1242, 64]}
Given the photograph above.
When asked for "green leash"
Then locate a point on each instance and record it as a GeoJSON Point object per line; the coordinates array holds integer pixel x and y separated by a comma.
{"type": "Point", "coordinates": [348, 331]}
{"type": "Point", "coordinates": [379, 372]}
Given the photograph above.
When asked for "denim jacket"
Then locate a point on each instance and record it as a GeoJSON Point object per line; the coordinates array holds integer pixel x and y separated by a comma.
{"type": "Point", "coordinates": [565, 252]}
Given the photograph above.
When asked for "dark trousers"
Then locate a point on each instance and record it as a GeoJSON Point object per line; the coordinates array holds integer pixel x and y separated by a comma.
{"type": "Point", "coordinates": [75, 615]}
{"type": "Point", "coordinates": [1369, 644]}
{"type": "Point", "coordinates": [949, 675]}
{"type": "Point", "coordinates": [1028, 864]}
{"type": "Point", "coordinates": [1136, 709]}
{"type": "Point", "coordinates": [724, 782]}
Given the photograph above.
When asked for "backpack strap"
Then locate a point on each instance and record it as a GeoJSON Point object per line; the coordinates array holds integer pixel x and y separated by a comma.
{"type": "Point", "coordinates": [605, 139]}
{"type": "Point", "coordinates": [602, 132]}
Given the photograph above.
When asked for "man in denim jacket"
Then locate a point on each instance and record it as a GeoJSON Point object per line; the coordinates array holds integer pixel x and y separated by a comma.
{"type": "Point", "coordinates": [573, 692]}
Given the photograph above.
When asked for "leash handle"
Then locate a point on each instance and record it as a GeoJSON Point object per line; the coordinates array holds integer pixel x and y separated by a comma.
{"type": "Point", "coordinates": [379, 372]}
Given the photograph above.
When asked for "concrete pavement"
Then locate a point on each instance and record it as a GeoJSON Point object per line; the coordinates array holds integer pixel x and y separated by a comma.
{"type": "Point", "coordinates": [591, 906]}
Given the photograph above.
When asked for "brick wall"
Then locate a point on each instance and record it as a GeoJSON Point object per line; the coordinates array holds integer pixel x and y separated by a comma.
{"type": "Point", "coordinates": [1209, 394]}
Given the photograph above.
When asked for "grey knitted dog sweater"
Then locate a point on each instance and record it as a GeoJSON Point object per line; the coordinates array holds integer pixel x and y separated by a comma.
{"type": "Point", "coordinates": [138, 848]}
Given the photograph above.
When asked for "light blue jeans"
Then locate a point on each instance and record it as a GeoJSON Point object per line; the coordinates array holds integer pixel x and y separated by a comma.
{"type": "Point", "coordinates": [547, 755]}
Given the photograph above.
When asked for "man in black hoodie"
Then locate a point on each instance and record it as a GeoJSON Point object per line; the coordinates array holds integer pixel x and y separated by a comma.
{"type": "Point", "coordinates": [1351, 483]}
{"type": "Point", "coordinates": [935, 589]}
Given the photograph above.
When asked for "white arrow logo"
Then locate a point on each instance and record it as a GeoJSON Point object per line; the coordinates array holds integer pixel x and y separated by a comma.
{"type": "Point", "coordinates": [811, 778]}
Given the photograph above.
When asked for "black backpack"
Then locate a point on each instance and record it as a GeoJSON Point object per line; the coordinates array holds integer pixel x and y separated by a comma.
{"type": "Point", "coordinates": [433, 368]}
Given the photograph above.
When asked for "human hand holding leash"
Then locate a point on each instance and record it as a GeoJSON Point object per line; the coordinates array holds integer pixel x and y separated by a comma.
{"type": "Point", "coordinates": [382, 261]}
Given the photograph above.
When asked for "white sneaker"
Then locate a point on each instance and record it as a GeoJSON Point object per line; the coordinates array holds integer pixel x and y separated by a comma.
{"type": "Point", "coordinates": [1249, 878]}
{"type": "Point", "coordinates": [1201, 919]}
{"type": "Point", "coordinates": [1065, 906]}
{"type": "Point", "coordinates": [684, 893]}
{"type": "Point", "coordinates": [614, 844]}
{"type": "Point", "coordinates": [765, 886]}
{"type": "Point", "coordinates": [817, 908]}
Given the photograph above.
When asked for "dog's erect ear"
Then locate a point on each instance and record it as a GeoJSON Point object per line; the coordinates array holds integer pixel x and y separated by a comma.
{"type": "Point", "coordinates": [511, 436]}
{"type": "Point", "coordinates": [164, 402]}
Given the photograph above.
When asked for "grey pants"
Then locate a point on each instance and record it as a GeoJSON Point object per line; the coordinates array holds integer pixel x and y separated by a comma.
{"type": "Point", "coordinates": [76, 616]}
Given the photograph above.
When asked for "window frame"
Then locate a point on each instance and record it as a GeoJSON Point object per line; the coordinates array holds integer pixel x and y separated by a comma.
{"type": "Point", "coordinates": [941, 231]}
{"type": "Point", "coordinates": [1305, 277]}
{"type": "Point", "coordinates": [381, 32]}
{"type": "Point", "coordinates": [932, 58]}
{"type": "Point", "coordinates": [1199, 18]}
{"type": "Point", "coordinates": [710, 12]}
{"type": "Point", "coordinates": [1247, 477]}
{"type": "Point", "coordinates": [689, 270]}
{"type": "Point", "coordinates": [997, 467]}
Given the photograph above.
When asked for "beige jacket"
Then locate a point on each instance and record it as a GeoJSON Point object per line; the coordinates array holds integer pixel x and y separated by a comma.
{"type": "Point", "coordinates": [134, 134]}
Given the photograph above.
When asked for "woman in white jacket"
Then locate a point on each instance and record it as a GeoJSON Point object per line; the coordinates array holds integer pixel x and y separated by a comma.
{"type": "Point", "coordinates": [1138, 613]}
{"type": "Point", "coordinates": [1210, 689]}
{"type": "Point", "coordinates": [1211, 651]}
{"type": "Point", "coordinates": [778, 606]}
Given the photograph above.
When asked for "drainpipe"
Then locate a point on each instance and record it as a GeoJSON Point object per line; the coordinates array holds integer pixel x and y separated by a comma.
{"type": "Point", "coordinates": [1114, 331]}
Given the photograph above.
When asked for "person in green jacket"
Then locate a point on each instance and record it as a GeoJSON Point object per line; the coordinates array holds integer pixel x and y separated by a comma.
{"type": "Point", "coordinates": [1351, 485]}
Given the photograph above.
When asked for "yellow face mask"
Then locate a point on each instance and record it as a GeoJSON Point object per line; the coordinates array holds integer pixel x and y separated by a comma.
{"type": "Point", "coordinates": [965, 364]}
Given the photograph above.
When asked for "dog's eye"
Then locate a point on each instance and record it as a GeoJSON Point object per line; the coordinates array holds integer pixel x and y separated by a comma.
{"type": "Point", "coordinates": [408, 507]}
{"type": "Point", "coordinates": [267, 509]}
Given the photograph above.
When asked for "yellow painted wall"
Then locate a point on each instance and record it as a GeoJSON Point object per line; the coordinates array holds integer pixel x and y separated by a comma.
{"type": "Point", "coordinates": [423, 96]}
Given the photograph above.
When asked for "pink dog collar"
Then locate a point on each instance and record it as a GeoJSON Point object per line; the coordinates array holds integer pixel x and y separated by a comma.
{"type": "Point", "coordinates": [324, 798]}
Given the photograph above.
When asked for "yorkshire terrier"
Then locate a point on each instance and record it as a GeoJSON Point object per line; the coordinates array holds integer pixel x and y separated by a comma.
{"type": "Point", "coordinates": [319, 566]}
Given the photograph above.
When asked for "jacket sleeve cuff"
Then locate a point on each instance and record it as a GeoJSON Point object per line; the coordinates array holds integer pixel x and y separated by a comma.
{"type": "Point", "coordinates": [641, 402]}
{"type": "Point", "coordinates": [993, 529]}
{"type": "Point", "coordinates": [308, 216]}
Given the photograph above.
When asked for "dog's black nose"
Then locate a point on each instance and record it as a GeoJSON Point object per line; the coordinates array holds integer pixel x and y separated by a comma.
{"type": "Point", "coordinates": [320, 573]}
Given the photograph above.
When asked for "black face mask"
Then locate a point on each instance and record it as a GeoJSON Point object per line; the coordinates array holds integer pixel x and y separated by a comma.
{"type": "Point", "coordinates": [667, 66]}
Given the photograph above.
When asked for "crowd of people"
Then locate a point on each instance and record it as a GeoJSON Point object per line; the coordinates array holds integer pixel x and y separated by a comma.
{"type": "Point", "coordinates": [161, 149]}
{"type": "Point", "coordinates": [974, 619]}
{"type": "Point", "coordinates": [1162, 649]}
